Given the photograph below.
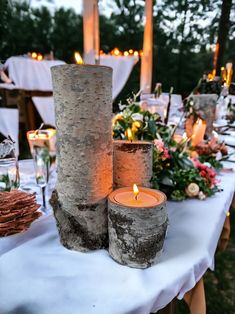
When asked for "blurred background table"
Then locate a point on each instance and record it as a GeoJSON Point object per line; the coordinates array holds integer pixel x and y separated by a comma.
{"type": "Point", "coordinates": [32, 82]}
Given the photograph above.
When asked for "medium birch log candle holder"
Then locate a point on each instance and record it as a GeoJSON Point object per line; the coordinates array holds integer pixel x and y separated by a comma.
{"type": "Point", "coordinates": [132, 163]}
{"type": "Point", "coordinates": [83, 109]}
{"type": "Point", "coordinates": [137, 226]}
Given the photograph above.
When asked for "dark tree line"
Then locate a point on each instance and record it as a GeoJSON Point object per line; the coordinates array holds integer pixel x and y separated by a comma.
{"type": "Point", "coordinates": [184, 33]}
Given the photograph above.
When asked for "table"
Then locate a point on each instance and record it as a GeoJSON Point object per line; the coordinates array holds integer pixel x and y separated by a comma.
{"type": "Point", "coordinates": [29, 74]}
{"type": "Point", "coordinates": [32, 79]}
{"type": "Point", "coordinates": [38, 275]}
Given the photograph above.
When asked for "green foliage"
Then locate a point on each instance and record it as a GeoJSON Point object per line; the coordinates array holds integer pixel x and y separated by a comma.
{"type": "Point", "coordinates": [142, 124]}
{"type": "Point", "coordinates": [173, 172]}
{"type": "Point", "coordinates": [216, 164]}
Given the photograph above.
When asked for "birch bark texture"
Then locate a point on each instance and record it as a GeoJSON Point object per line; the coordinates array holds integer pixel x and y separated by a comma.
{"type": "Point", "coordinates": [83, 110]}
{"type": "Point", "coordinates": [132, 163]}
{"type": "Point", "coordinates": [136, 235]}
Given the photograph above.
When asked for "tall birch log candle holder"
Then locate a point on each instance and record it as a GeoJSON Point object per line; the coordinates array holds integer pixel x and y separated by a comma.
{"type": "Point", "coordinates": [137, 226]}
{"type": "Point", "coordinates": [83, 110]}
{"type": "Point", "coordinates": [132, 163]}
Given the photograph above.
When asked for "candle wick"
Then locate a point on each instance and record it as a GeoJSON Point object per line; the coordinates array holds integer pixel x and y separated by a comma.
{"type": "Point", "coordinates": [136, 197]}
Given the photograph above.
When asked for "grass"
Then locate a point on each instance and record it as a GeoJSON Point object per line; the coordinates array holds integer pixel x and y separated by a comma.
{"type": "Point", "coordinates": [219, 284]}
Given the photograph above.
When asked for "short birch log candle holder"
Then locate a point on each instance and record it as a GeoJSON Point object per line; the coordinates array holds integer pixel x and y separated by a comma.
{"type": "Point", "coordinates": [83, 110]}
{"type": "Point", "coordinates": [132, 163]}
{"type": "Point", "coordinates": [137, 226]}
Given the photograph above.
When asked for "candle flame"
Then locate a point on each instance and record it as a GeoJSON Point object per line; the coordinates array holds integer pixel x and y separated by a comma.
{"type": "Point", "coordinates": [116, 52]}
{"type": "Point", "coordinates": [78, 58]}
{"type": "Point", "coordinates": [135, 191]}
{"type": "Point", "coordinates": [129, 134]}
{"type": "Point", "coordinates": [34, 55]}
{"type": "Point", "coordinates": [126, 53]}
{"type": "Point", "coordinates": [39, 57]}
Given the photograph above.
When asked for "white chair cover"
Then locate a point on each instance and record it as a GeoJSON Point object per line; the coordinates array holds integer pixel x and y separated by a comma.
{"type": "Point", "coordinates": [45, 107]}
{"type": "Point", "coordinates": [122, 67]}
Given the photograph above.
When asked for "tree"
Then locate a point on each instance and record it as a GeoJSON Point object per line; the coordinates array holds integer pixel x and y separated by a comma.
{"type": "Point", "coordinates": [67, 34]}
{"type": "Point", "coordinates": [224, 25]}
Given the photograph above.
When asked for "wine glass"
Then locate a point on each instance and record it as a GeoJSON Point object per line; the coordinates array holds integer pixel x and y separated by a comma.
{"type": "Point", "coordinates": [41, 163]}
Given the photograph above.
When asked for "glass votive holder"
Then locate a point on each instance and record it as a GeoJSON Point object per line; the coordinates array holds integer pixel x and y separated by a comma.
{"type": "Point", "coordinates": [9, 174]}
{"type": "Point", "coordinates": [156, 105]}
{"type": "Point", "coordinates": [144, 97]}
{"type": "Point", "coordinates": [42, 138]}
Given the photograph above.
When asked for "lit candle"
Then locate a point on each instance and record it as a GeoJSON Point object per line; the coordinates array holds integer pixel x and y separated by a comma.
{"type": "Point", "coordinates": [229, 68]}
{"type": "Point", "coordinates": [39, 57]}
{"type": "Point", "coordinates": [42, 138]}
{"type": "Point", "coordinates": [78, 58]}
{"type": "Point", "coordinates": [34, 55]}
{"type": "Point", "coordinates": [199, 129]}
{"type": "Point", "coordinates": [132, 162]}
{"type": "Point", "coordinates": [138, 197]}
{"type": "Point", "coordinates": [135, 224]}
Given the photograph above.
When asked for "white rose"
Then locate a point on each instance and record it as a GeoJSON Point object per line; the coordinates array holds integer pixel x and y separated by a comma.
{"type": "Point", "coordinates": [137, 116]}
{"type": "Point", "coordinates": [201, 195]}
{"type": "Point", "coordinates": [192, 190]}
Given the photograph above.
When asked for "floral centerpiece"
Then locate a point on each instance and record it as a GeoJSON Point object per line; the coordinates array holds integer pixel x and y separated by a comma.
{"type": "Point", "coordinates": [179, 176]}
{"type": "Point", "coordinates": [174, 171]}
{"type": "Point", "coordinates": [136, 123]}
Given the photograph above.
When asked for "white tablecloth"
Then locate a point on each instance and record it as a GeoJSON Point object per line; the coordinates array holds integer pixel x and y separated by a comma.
{"type": "Point", "coordinates": [38, 275]}
{"type": "Point", "coordinates": [30, 74]}
{"type": "Point", "coordinates": [122, 67]}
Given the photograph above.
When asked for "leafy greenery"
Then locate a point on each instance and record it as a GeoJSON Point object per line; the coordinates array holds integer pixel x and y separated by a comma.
{"type": "Point", "coordinates": [141, 124]}
{"type": "Point", "coordinates": [216, 164]}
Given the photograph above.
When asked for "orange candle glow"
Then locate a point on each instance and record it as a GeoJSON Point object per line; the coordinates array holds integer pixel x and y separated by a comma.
{"type": "Point", "coordinates": [34, 55]}
{"type": "Point", "coordinates": [42, 138]}
{"type": "Point", "coordinates": [199, 129]}
{"type": "Point", "coordinates": [229, 68]}
{"type": "Point", "coordinates": [135, 190]}
{"type": "Point", "coordinates": [146, 197]}
{"type": "Point", "coordinates": [39, 57]}
{"type": "Point", "coordinates": [78, 58]}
